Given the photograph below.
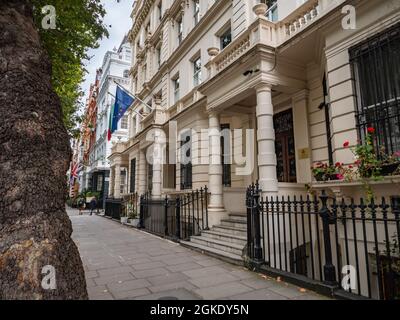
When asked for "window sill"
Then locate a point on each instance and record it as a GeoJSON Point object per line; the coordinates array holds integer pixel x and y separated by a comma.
{"type": "Point", "coordinates": [342, 183]}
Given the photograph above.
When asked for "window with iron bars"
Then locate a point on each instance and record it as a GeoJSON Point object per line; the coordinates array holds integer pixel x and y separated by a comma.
{"type": "Point", "coordinates": [376, 72]}
{"type": "Point", "coordinates": [124, 122]}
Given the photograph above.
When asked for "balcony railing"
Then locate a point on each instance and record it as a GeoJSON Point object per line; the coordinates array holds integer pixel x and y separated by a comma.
{"type": "Point", "coordinates": [267, 32]}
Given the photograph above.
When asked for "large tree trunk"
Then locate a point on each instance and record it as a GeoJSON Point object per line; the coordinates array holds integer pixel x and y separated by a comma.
{"type": "Point", "coordinates": [35, 230]}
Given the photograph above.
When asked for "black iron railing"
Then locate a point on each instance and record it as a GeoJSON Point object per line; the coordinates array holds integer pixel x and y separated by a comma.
{"type": "Point", "coordinates": [114, 208]}
{"type": "Point", "coordinates": [353, 246]}
{"type": "Point", "coordinates": [177, 217]}
{"type": "Point", "coordinates": [131, 205]}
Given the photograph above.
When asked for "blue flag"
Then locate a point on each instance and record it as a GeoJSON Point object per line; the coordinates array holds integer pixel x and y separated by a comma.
{"type": "Point", "coordinates": [122, 103]}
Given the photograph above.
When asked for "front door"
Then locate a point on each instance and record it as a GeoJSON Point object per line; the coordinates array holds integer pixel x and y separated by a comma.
{"type": "Point", "coordinates": [285, 147]}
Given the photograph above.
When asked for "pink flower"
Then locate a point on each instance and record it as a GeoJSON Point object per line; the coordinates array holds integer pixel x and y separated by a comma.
{"type": "Point", "coordinates": [339, 176]}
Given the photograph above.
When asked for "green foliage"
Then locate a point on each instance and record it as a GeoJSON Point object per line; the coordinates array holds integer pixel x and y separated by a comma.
{"type": "Point", "coordinates": [367, 161]}
{"type": "Point", "coordinates": [79, 26]}
{"type": "Point", "coordinates": [89, 194]}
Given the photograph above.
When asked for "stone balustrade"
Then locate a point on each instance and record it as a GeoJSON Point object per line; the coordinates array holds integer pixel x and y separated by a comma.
{"type": "Point", "coordinates": [263, 31]}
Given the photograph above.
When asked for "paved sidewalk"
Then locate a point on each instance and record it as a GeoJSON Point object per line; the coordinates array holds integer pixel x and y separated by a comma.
{"type": "Point", "coordinates": [124, 263]}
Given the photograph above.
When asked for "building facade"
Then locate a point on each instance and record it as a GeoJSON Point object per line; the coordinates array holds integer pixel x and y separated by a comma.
{"type": "Point", "coordinates": [209, 64]}
{"type": "Point", "coordinates": [289, 85]}
{"type": "Point", "coordinates": [115, 69]}
{"type": "Point", "coordinates": [88, 131]}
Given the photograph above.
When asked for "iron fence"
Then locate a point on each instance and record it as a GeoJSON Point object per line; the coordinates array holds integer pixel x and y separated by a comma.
{"type": "Point", "coordinates": [114, 208]}
{"type": "Point", "coordinates": [343, 243]}
{"type": "Point", "coordinates": [131, 205]}
{"type": "Point", "coordinates": [176, 216]}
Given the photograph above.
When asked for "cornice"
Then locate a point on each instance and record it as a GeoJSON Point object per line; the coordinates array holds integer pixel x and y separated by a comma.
{"type": "Point", "coordinates": [140, 18]}
{"type": "Point", "coordinates": [187, 41]}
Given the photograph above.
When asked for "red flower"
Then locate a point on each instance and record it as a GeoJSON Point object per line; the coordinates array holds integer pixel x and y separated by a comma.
{"type": "Point", "coordinates": [338, 164]}
{"type": "Point", "coordinates": [339, 176]}
{"type": "Point", "coordinates": [350, 167]}
{"type": "Point", "coordinates": [346, 144]}
{"type": "Point", "coordinates": [371, 130]}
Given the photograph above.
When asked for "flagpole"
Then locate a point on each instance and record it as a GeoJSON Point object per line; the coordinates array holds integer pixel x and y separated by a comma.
{"type": "Point", "coordinates": [133, 110]}
{"type": "Point", "coordinates": [133, 96]}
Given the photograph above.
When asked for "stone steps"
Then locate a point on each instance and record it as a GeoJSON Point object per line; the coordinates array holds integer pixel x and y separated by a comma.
{"type": "Point", "coordinates": [230, 230]}
{"type": "Point", "coordinates": [239, 216]}
{"type": "Point", "coordinates": [216, 253]}
{"type": "Point", "coordinates": [225, 241]}
{"type": "Point", "coordinates": [228, 237]}
{"type": "Point", "coordinates": [218, 244]}
{"type": "Point", "coordinates": [234, 223]}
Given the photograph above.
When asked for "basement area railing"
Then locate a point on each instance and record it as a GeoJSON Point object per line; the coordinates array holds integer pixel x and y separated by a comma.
{"type": "Point", "coordinates": [347, 244]}
{"type": "Point", "coordinates": [177, 217]}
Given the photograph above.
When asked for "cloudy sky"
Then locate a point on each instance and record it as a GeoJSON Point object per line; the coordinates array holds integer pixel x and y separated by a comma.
{"type": "Point", "coordinates": [118, 22]}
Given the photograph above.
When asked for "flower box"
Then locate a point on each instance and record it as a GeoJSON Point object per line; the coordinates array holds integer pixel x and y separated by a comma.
{"type": "Point", "coordinates": [134, 222]}
{"type": "Point", "coordinates": [390, 168]}
{"type": "Point", "coordinates": [326, 177]}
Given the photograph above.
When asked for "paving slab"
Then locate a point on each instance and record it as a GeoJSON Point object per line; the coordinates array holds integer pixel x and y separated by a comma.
{"type": "Point", "coordinates": [125, 263]}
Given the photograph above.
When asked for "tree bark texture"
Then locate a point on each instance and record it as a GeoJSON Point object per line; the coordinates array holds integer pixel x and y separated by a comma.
{"type": "Point", "coordinates": [35, 230]}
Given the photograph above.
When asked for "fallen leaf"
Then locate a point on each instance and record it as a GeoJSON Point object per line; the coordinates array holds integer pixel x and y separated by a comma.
{"type": "Point", "coordinates": [278, 279]}
{"type": "Point", "coordinates": [303, 290]}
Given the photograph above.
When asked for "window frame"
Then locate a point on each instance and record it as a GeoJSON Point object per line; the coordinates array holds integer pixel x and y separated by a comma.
{"type": "Point", "coordinates": [227, 32]}
{"type": "Point", "coordinates": [179, 22]}
{"type": "Point", "coordinates": [197, 80]}
{"type": "Point", "coordinates": [377, 94]}
{"type": "Point", "coordinates": [196, 11]}
{"type": "Point", "coordinates": [124, 122]}
{"type": "Point", "coordinates": [176, 88]}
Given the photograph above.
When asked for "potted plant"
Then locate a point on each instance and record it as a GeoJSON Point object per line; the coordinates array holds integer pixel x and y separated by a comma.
{"type": "Point", "coordinates": [134, 219]}
{"type": "Point", "coordinates": [390, 164]}
{"type": "Point", "coordinates": [124, 219]}
{"type": "Point", "coordinates": [132, 215]}
{"type": "Point", "coordinates": [324, 172]}
{"type": "Point", "coordinates": [367, 163]}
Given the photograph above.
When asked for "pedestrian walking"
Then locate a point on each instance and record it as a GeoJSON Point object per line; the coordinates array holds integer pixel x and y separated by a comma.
{"type": "Point", "coordinates": [93, 205]}
{"type": "Point", "coordinates": [81, 205]}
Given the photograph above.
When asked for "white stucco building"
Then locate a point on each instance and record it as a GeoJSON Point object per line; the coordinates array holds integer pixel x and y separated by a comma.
{"type": "Point", "coordinates": [115, 69]}
{"type": "Point", "coordinates": [298, 75]}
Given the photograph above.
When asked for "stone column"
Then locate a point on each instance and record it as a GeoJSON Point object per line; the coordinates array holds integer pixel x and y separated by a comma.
{"type": "Point", "coordinates": [266, 140]}
{"type": "Point", "coordinates": [111, 183]}
{"type": "Point", "coordinates": [117, 181]}
{"type": "Point", "coordinates": [216, 205]}
{"type": "Point", "coordinates": [157, 166]}
{"type": "Point", "coordinates": [141, 173]}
